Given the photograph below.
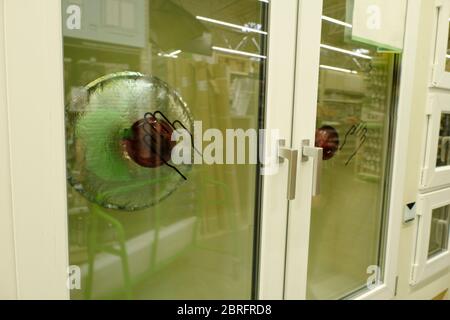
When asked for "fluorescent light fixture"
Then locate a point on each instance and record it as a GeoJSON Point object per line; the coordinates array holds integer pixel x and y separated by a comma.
{"type": "Point", "coordinates": [242, 53]}
{"type": "Point", "coordinates": [177, 52]}
{"type": "Point", "coordinates": [352, 53]}
{"type": "Point", "coordinates": [448, 56]}
{"type": "Point", "coordinates": [335, 21]}
{"type": "Point", "coordinates": [265, 1]}
{"type": "Point", "coordinates": [338, 69]}
{"type": "Point", "coordinates": [231, 25]}
{"type": "Point", "coordinates": [170, 55]}
{"type": "Point", "coordinates": [363, 51]}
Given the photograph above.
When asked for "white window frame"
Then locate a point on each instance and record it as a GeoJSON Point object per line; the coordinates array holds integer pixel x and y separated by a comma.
{"type": "Point", "coordinates": [423, 267]}
{"type": "Point", "coordinates": [433, 176]}
{"type": "Point", "coordinates": [440, 77]}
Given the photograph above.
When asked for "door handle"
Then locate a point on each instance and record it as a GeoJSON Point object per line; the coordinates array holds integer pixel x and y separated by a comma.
{"type": "Point", "coordinates": [317, 155]}
{"type": "Point", "coordinates": [290, 155]}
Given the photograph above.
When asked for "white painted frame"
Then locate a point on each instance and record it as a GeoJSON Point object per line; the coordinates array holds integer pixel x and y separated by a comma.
{"type": "Point", "coordinates": [34, 90]}
{"type": "Point", "coordinates": [422, 267]}
{"type": "Point", "coordinates": [35, 101]}
{"type": "Point", "coordinates": [305, 110]}
{"type": "Point", "coordinates": [433, 176]}
{"type": "Point", "coordinates": [8, 283]}
{"type": "Point", "coordinates": [305, 106]}
{"type": "Point", "coordinates": [279, 113]}
{"type": "Point", "coordinates": [440, 77]}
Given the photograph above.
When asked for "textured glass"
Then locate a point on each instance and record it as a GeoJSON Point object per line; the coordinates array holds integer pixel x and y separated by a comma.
{"type": "Point", "coordinates": [100, 115]}
{"type": "Point", "coordinates": [140, 226]}
{"type": "Point", "coordinates": [439, 233]}
{"type": "Point", "coordinates": [443, 152]}
{"type": "Point", "coordinates": [354, 127]}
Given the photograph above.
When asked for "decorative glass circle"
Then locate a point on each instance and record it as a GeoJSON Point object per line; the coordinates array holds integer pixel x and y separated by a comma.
{"type": "Point", "coordinates": [119, 140]}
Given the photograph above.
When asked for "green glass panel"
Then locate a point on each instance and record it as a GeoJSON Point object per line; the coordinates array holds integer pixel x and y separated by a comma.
{"type": "Point", "coordinates": [141, 227]}
{"type": "Point", "coordinates": [354, 126]}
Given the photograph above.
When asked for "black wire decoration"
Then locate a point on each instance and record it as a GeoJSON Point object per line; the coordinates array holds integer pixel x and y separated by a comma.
{"type": "Point", "coordinates": [360, 131]}
{"type": "Point", "coordinates": [153, 137]}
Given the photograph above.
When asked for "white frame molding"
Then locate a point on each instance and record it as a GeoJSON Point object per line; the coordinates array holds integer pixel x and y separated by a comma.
{"type": "Point", "coordinates": [306, 92]}
{"type": "Point", "coordinates": [433, 176]}
{"type": "Point", "coordinates": [422, 267]}
{"type": "Point", "coordinates": [279, 112]}
{"type": "Point", "coordinates": [34, 88]}
{"type": "Point", "coordinates": [440, 77]}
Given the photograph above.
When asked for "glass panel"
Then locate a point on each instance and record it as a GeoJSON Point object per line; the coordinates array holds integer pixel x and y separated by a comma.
{"type": "Point", "coordinates": [447, 64]}
{"type": "Point", "coordinates": [443, 156]}
{"type": "Point", "coordinates": [355, 107]}
{"type": "Point", "coordinates": [439, 235]}
{"type": "Point", "coordinates": [137, 228]}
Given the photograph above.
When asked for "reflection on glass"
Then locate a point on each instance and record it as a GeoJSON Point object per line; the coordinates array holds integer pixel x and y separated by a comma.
{"type": "Point", "coordinates": [137, 229]}
{"type": "Point", "coordinates": [439, 234]}
{"type": "Point", "coordinates": [355, 100]}
{"type": "Point", "coordinates": [447, 64]}
{"type": "Point", "coordinates": [443, 152]}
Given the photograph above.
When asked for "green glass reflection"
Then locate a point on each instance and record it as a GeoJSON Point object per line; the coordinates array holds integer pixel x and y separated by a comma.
{"type": "Point", "coordinates": [140, 238]}
{"type": "Point", "coordinates": [447, 58]}
{"type": "Point", "coordinates": [439, 233]}
{"type": "Point", "coordinates": [443, 152]}
{"type": "Point", "coordinates": [355, 100]}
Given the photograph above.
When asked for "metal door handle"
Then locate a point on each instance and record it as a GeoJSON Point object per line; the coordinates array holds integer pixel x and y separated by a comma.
{"type": "Point", "coordinates": [317, 155]}
{"type": "Point", "coordinates": [290, 155]}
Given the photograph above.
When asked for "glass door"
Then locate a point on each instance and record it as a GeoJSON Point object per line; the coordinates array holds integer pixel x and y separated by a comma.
{"type": "Point", "coordinates": [141, 224]}
{"type": "Point", "coordinates": [343, 220]}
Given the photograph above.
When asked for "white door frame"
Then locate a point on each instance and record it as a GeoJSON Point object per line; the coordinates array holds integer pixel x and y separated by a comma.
{"type": "Point", "coordinates": [35, 91]}
{"type": "Point", "coordinates": [309, 37]}
{"type": "Point", "coordinates": [279, 112]}
{"type": "Point", "coordinates": [35, 100]}
{"type": "Point", "coordinates": [306, 92]}
{"type": "Point", "coordinates": [8, 266]}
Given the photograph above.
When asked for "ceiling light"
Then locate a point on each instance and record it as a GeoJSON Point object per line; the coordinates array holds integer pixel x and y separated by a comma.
{"type": "Point", "coordinates": [338, 69]}
{"type": "Point", "coordinates": [173, 54]}
{"type": "Point", "coordinates": [352, 53]}
{"type": "Point", "coordinates": [335, 21]}
{"type": "Point", "coordinates": [242, 53]}
{"type": "Point", "coordinates": [231, 25]}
